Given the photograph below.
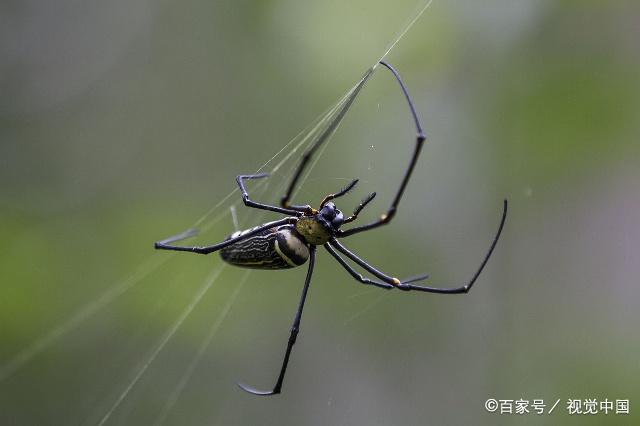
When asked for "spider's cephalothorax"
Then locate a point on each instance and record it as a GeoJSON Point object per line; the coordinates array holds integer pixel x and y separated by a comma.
{"type": "Point", "coordinates": [292, 240]}
{"type": "Point", "coordinates": [320, 226]}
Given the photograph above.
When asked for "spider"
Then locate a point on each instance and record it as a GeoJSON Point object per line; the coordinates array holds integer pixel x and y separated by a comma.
{"type": "Point", "coordinates": [291, 241]}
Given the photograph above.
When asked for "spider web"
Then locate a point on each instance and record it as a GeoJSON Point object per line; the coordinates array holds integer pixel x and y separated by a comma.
{"type": "Point", "coordinates": [280, 165]}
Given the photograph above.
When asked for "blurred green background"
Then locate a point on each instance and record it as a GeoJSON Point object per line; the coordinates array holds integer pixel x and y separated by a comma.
{"type": "Point", "coordinates": [124, 122]}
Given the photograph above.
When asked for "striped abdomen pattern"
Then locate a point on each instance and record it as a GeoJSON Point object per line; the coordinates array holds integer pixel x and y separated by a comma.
{"type": "Point", "coordinates": [275, 248]}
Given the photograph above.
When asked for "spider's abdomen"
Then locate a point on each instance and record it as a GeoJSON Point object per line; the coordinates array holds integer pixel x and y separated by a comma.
{"type": "Point", "coordinates": [275, 248]}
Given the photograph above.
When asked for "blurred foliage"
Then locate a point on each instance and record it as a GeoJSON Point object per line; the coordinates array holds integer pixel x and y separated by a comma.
{"type": "Point", "coordinates": [124, 122]}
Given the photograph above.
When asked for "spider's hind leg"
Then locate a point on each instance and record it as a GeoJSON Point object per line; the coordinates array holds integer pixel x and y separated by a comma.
{"type": "Point", "coordinates": [293, 333]}
{"type": "Point", "coordinates": [166, 243]}
{"type": "Point", "coordinates": [181, 236]}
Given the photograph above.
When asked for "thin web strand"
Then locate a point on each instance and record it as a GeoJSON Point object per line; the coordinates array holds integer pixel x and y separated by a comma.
{"type": "Point", "coordinates": [186, 377]}
{"type": "Point", "coordinates": [308, 133]}
{"type": "Point", "coordinates": [366, 309]}
{"type": "Point", "coordinates": [112, 293]}
{"type": "Point", "coordinates": [305, 134]}
{"type": "Point", "coordinates": [151, 265]}
{"type": "Point", "coordinates": [165, 339]}
{"type": "Point", "coordinates": [208, 284]}
{"type": "Point", "coordinates": [403, 32]}
{"type": "Point", "coordinates": [185, 314]}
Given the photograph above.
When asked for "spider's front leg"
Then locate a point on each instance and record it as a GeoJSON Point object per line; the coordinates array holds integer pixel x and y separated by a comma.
{"type": "Point", "coordinates": [336, 117]}
{"type": "Point", "coordinates": [420, 138]}
{"type": "Point", "coordinates": [254, 204]}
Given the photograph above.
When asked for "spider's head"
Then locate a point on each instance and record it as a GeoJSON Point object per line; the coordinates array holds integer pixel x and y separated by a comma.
{"type": "Point", "coordinates": [320, 226]}
{"type": "Point", "coordinates": [331, 215]}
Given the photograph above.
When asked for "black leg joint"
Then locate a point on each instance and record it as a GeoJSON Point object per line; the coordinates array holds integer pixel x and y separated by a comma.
{"type": "Point", "coordinates": [294, 335]}
{"type": "Point", "coordinates": [388, 215]}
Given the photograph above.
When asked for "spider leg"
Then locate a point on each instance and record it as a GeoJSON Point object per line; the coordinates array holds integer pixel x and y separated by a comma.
{"type": "Point", "coordinates": [406, 285]}
{"type": "Point", "coordinates": [340, 193]}
{"type": "Point", "coordinates": [250, 203]}
{"type": "Point", "coordinates": [465, 288]}
{"type": "Point", "coordinates": [353, 272]}
{"type": "Point", "coordinates": [166, 243]}
{"type": "Point", "coordinates": [359, 207]}
{"type": "Point", "coordinates": [322, 137]}
{"type": "Point", "coordinates": [295, 328]}
{"type": "Point", "coordinates": [386, 217]}
{"type": "Point", "coordinates": [395, 282]}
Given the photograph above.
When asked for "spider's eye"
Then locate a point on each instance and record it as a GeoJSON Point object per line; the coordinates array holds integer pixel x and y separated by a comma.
{"type": "Point", "coordinates": [338, 219]}
{"type": "Point", "coordinates": [329, 211]}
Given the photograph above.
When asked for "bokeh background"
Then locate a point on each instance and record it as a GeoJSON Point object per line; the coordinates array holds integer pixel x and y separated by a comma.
{"type": "Point", "coordinates": [124, 122]}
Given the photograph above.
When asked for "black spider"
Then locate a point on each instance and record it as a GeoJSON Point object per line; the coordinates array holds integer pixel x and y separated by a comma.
{"type": "Point", "coordinates": [291, 241]}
